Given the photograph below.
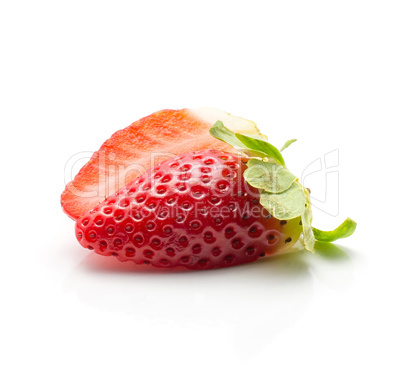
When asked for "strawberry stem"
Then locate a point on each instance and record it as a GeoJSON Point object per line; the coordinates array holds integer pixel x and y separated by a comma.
{"type": "Point", "coordinates": [281, 193]}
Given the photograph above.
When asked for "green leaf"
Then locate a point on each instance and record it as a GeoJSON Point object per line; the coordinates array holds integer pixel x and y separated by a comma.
{"type": "Point", "coordinates": [286, 205]}
{"type": "Point", "coordinates": [308, 235]}
{"type": "Point", "coordinates": [282, 195]}
{"type": "Point", "coordinates": [221, 132]}
{"type": "Point", "coordinates": [251, 152]}
{"type": "Point", "coordinates": [261, 146]}
{"type": "Point", "coordinates": [291, 141]}
{"type": "Point", "coordinates": [344, 230]}
{"type": "Point", "coordinates": [268, 176]}
{"type": "Point", "coordinates": [246, 144]}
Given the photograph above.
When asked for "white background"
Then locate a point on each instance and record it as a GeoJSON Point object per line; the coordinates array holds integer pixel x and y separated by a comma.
{"type": "Point", "coordinates": [326, 72]}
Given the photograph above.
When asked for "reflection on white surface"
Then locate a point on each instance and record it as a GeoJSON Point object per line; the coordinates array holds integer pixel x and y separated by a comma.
{"type": "Point", "coordinates": [253, 302]}
{"type": "Point", "coordinates": [332, 266]}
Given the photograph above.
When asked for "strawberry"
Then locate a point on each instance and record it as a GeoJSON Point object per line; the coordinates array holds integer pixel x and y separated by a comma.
{"type": "Point", "coordinates": [131, 151]}
{"type": "Point", "coordinates": [195, 210]}
{"type": "Point", "coordinates": [201, 209]}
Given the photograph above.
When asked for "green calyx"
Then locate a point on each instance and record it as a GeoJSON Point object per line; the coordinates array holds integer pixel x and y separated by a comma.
{"type": "Point", "coordinates": [281, 192]}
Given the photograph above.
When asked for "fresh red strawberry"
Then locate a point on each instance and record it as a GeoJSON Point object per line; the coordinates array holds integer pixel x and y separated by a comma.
{"type": "Point", "coordinates": [196, 210]}
{"type": "Point", "coordinates": [202, 209]}
{"type": "Point", "coordinates": [132, 151]}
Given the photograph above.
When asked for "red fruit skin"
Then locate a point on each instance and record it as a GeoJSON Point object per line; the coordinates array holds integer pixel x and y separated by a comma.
{"type": "Point", "coordinates": [195, 211]}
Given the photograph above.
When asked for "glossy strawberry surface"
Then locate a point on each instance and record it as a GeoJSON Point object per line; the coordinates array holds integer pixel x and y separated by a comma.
{"type": "Point", "coordinates": [194, 210]}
